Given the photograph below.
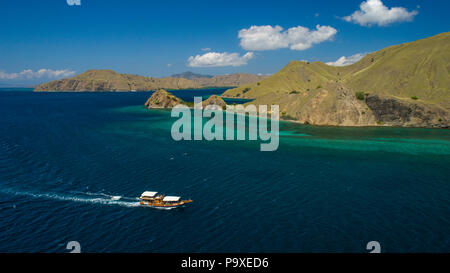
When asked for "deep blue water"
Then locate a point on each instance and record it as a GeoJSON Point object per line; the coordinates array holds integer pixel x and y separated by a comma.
{"type": "Point", "coordinates": [326, 189]}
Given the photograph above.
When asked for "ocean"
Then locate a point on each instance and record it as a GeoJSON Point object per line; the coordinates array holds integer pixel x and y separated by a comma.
{"type": "Point", "coordinates": [63, 156]}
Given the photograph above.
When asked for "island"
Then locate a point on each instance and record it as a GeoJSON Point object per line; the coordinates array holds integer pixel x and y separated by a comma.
{"type": "Point", "coordinates": [404, 85]}
{"type": "Point", "coordinates": [109, 80]}
{"type": "Point", "coordinates": [161, 98]}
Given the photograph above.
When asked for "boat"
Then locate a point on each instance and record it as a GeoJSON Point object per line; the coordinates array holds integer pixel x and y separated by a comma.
{"type": "Point", "coordinates": [161, 201]}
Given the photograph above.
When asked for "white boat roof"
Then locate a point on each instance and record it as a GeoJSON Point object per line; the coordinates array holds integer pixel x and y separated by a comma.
{"type": "Point", "coordinates": [171, 198]}
{"type": "Point", "coordinates": [149, 193]}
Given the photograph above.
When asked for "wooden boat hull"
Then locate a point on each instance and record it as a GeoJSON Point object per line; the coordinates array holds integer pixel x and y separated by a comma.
{"type": "Point", "coordinates": [164, 206]}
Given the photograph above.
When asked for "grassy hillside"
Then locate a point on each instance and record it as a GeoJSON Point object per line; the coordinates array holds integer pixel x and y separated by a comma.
{"type": "Point", "coordinates": [415, 73]}
{"type": "Point", "coordinates": [419, 69]}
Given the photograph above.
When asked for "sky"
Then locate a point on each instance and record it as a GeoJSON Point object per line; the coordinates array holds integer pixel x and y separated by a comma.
{"type": "Point", "coordinates": [52, 39]}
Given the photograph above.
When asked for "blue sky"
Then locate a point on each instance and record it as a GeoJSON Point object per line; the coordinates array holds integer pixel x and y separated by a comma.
{"type": "Point", "coordinates": [42, 40]}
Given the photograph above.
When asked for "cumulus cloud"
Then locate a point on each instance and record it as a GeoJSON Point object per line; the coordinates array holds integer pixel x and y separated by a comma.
{"type": "Point", "coordinates": [206, 49]}
{"type": "Point", "coordinates": [41, 73]}
{"type": "Point", "coordinates": [343, 61]}
{"type": "Point", "coordinates": [215, 59]}
{"type": "Point", "coordinates": [374, 12]}
{"type": "Point", "coordinates": [295, 38]}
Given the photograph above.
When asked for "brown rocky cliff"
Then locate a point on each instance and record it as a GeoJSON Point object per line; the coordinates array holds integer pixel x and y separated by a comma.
{"type": "Point", "coordinates": [332, 105]}
{"type": "Point", "coordinates": [214, 100]}
{"type": "Point", "coordinates": [395, 112]}
{"type": "Point", "coordinates": [163, 99]}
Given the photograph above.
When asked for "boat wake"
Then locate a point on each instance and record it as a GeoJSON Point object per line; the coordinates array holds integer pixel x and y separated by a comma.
{"type": "Point", "coordinates": [106, 196]}
{"type": "Point", "coordinates": [163, 208]}
{"type": "Point", "coordinates": [95, 198]}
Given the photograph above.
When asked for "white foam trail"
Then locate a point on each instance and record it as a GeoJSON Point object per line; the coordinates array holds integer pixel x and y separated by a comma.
{"type": "Point", "coordinates": [106, 195]}
{"type": "Point", "coordinates": [99, 200]}
{"type": "Point", "coordinates": [164, 208]}
{"type": "Point", "coordinates": [112, 197]}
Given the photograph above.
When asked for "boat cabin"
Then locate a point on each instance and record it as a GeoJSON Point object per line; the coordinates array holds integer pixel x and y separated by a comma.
{"type": "Point", "coordinates": [148, 195]}
{"type": "Point", "coordinates": [151, 198]}
{"type": "Point", "coordinates": [170, 199]}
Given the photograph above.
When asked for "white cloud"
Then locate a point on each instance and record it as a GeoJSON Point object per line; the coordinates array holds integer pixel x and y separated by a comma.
{"type": "Point", "coordinates": [41, 73]}
{"type": "Point", "coordinates": [206, 49]}
{"type": "Point", "coordinates": [343, 61]}
{"type": "Point", "coordinates": [296, 38]}
{"type": "Point", "coordinates": [215, 59]}
{"type": "Point", "coordinates": [374, 12]}
{"type": "Point", "coordinates": [263, 38]}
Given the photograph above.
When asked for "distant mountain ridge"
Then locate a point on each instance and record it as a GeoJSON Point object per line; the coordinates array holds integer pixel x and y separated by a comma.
{"type": "Point", "coordinates": [190, 75]}
{"type": "Point", "coordinates": [402, 85]}
{"type": "Point", "coordinates": [109, 80]}
{"type": "Point", "coordinates": [237, 79]}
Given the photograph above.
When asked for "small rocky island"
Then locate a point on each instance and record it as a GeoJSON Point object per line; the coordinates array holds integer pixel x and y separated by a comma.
{"type": "Point", "coordinates": [406, 85]}
{"type": "Point", "coordinates": [163, 99]}
{"type": "Point", "coordinates": [215, 100]}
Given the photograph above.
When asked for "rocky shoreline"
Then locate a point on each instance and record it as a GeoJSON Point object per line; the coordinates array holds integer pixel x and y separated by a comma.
{"type": "Point", "coordinates": [373, 111]}
{"type": "Point", "coordinates": [380, 111]}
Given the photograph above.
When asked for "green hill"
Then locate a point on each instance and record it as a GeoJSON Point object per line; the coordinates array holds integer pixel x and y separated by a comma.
{"type": "Point", "coordinates": [403, 85]}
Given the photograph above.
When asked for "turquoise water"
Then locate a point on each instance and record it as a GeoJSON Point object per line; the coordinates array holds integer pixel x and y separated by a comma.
{"type": "Point", "coordinates": [326, 189]}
